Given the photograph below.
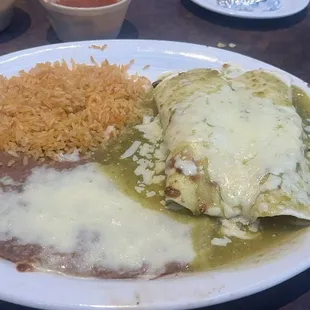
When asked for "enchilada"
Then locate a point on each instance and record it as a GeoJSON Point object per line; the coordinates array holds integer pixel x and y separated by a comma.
{"type": "Point", "coordinates": [236, 146]}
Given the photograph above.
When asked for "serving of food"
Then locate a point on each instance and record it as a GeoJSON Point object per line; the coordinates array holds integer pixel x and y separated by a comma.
{"type": "Point", "coordinates": [74, 20]}
{"type": "Point", "coordinates": [116, 170]}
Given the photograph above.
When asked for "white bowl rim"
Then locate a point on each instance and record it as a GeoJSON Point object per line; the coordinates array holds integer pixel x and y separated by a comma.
{"type": "Point", "coordinates": [81, 9]}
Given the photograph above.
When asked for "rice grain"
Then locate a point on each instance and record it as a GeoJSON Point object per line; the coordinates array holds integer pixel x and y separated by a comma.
{"type": "Point", "coordinates": [56, 109]}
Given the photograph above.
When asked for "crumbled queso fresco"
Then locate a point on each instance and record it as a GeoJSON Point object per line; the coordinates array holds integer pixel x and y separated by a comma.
{"type": "Point", "coordinates": [149, 157]}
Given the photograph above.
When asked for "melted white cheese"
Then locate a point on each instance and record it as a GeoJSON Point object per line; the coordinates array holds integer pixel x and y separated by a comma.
{"type": "Point", "coordinates": [231, 228]}
{"type": "Point", "coordinates": [144, 171]}
{"type": "Point", "coordinates": [186, 166]}
{"type": "Point", "coordinates": [214, 211]}
{"type": "Point", "coordinates": [220, 241]}
{"type": "Point", "coordinates": [152, 155]}
{"type": "Point", "coordinates": [132, 150]}
{"type": "Point", "coordinates": [147, 150]}
{"type": "Point", "coordinates": [151, 130]}
{"type": "Point", "coordinates": [254, 139]}
{"type": "Point", "coordinates": [307, 129]}
{"type": "Point", "coordinates": [57, 209]}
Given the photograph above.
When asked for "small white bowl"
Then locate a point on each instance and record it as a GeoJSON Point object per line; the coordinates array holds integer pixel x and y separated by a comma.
{"type": "Point", "coordinates": [6, 13]}
{"type": "Point", "coordinates": [74, 24]}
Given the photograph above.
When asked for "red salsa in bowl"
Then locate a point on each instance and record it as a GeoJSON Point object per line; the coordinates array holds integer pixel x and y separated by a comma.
{"type": "Point", "coordinates": [86, 3]}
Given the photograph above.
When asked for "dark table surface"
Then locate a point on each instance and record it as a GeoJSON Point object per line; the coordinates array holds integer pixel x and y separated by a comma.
{"type": "Point", "coordinates": [284, 43]}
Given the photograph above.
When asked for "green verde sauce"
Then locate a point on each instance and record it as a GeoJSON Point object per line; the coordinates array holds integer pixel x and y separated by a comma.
{"type": "Point", "coordinates": [273, 231]}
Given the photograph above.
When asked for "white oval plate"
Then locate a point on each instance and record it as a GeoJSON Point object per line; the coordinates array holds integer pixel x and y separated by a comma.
{"type": "Point", "coordinates": [50, 291]}
{"type": "Point", "coordinates": [288, 7]}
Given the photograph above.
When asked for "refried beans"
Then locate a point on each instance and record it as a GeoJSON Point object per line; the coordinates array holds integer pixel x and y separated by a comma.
{"type": "Point", "coordinates": [37, 257]}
